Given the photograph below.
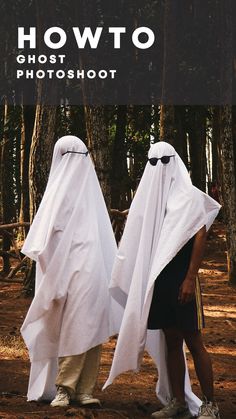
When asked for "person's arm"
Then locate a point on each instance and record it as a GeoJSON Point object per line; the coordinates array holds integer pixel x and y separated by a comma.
{"type": "Point", "coordinates": [187, 289]}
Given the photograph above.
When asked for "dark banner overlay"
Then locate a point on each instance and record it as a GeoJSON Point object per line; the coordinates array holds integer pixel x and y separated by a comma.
{"type": "Point", "coordinates": [103, 52]}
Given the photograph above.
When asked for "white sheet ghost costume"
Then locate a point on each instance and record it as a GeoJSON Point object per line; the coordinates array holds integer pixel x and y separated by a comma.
{"type": "Point", "coordinates": [72, 242]}
{"type": "Point", "coordinates": [166, 212]}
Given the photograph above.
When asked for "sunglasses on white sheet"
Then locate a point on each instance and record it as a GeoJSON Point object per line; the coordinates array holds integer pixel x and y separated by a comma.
{"type": "Point", "coordinates": [164, 159]}
{"type": "Point", "coordinates": [76, 152]}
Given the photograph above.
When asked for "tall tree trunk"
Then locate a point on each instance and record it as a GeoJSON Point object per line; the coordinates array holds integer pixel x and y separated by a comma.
{"type": "Point", "coordinates": [17, 158]}
{"type": "Point", "coordinates": [170, 53]}
{"type": "Point", "coordinates": [172, 129]}
{"type": "Point", "coordinates": [98, 143]}
{"type": "Point", "coordinates": [180, 140]}
{"type": "Point", "coordinates": [77, 121]}
{"type": "Point", "coordinates": [226, 145]}
{"type": "Point", "coordinates": [119, 176]}
{"type": "Point", "coordinates": [167, 124]}
{"type": "Point", "coordinates": [44, 124]}
{"type": "Point", "coordinates": [215, 142]}
{"type": "Point", "coordinates": [43, 137]}
{"type": "Point", "coordinates": [7, 193]}
{"type": "Point", "coordinates": [197, 140]}
{"type": "Point", "coordinates": [27, 116]}
{"type": "Point", "coordinates": [167, 110]}
{"type": "Point", "coordinates": [88, 14]}
{"type": "Point", "coordinates": [39, 165]}
{"type": "Point", "coordinates": [227, 161]}
{"type": "Point", "coordinates": [234, 134]}
{"type": "Point", "coordinates": [41, 154]}
{"type": "Point", "coordinates": [156, 122]}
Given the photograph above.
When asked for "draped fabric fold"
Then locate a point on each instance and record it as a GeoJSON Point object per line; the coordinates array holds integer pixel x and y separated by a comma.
{"type": "Point", "coordinates": [166, 212]}
{"type": "Point", "coordinates": [72, 242]}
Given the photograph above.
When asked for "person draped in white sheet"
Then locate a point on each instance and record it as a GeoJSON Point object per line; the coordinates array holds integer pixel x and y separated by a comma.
{"type": "Point", "coordinates": [72, 314]}
{"type": "Point", "coordinates": [167, 221]}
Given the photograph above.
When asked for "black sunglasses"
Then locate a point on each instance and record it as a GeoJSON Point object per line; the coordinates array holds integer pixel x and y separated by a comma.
{"type": "Point", "coordinates": [164, 159]}
{"type": "Point", "coordinates": [75, 152]}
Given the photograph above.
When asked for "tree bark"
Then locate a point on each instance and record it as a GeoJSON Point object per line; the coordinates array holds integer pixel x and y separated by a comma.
{"type": "Point", "coordinates": [227, 160]}
{"type": "Point", "coordinates": [95, 115]}
{"type": "Point", "coordinates": [167, 124]}
{"type": "Point", "coordinates": [7, 193]}
{"type": "Point", "coordinates": [119, 175]}
{"type": "Point", "coordinates": [226, 143]}
{"type": "Point", "coordinates": [170, 53]}
{"type": "Point", "coordinates": [41, 154]}
{"type": "Point", "coordinates": [234, 134]}
{"type": "Point", "coordinates": [215, 142]}
{"type": "Point", "coordinates": [43, 138]}
{"type": "Point", "coordinates": [180, 139]}
{"type": "Point", "coordinates": [172, 129]}
{"type": "Point", "coordinates": [197, 142]}
{"type": "Point", "coordinates": [156, 122]}
{"type": "Point", "coordinates": [27, 117]}
{"type": "Point", "coordinates": [39, 165]}
{"type": "Point", "coordinates": [98, 144]}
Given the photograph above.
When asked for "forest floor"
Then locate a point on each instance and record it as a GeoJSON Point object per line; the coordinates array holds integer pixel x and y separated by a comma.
{"type": "Point", "coordinates": [131, 395]}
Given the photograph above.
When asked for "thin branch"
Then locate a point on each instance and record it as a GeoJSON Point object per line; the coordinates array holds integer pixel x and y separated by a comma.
{"type": "Point", "coordinates": [14, 225]}
{"type": "Point", "coordinates": [12, 281]}
{"type": "Point", "coordinates": [17, 268]}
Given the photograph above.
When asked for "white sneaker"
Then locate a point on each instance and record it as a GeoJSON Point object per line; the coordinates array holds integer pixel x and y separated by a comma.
{"type": "Point", "coordinates": [62, 398]}
{"type": "Point", "coordinates": [85, 399]}
{"type": "Point", "coordinates": [174, 409]}
{"type": "Point", "coordinates": [208, 410]}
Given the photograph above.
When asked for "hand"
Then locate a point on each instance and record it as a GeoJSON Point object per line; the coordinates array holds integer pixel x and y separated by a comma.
{"type": "Point", "coordinates": [187, 290]}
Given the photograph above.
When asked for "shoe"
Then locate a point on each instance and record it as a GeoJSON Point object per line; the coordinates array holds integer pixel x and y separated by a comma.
{"type": "Point", "coordinates": [174, 409]}
{"type": "Point", "coordinates": [62, 398]}
{"type": "Point", "coordinates": [208, 410]}
{"type": "Point", "coordinates": [85, 399]}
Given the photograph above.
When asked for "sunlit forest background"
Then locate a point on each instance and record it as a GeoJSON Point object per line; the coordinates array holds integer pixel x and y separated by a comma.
{"type": "Point", "coordinates": [118, 138]}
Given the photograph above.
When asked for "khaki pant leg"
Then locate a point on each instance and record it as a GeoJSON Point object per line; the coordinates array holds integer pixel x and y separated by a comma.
{"type": "Point", "coordinates": [69, 371]}
{"type": "Point", "coordinates": [90, 370]}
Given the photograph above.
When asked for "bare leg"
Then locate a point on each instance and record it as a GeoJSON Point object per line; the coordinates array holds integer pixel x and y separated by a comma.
{"type": "Point", "coordinates": [175, 362]}
{"type": "Point", "coordinates": [202, 362]}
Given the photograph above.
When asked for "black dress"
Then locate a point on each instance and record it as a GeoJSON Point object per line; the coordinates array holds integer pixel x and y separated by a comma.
{"type": "Point", "coordinates": [166, 311]}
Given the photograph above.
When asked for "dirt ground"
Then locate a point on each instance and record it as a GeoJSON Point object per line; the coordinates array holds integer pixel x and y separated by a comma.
{"type": "Point", "coordinates": [132, 395]}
